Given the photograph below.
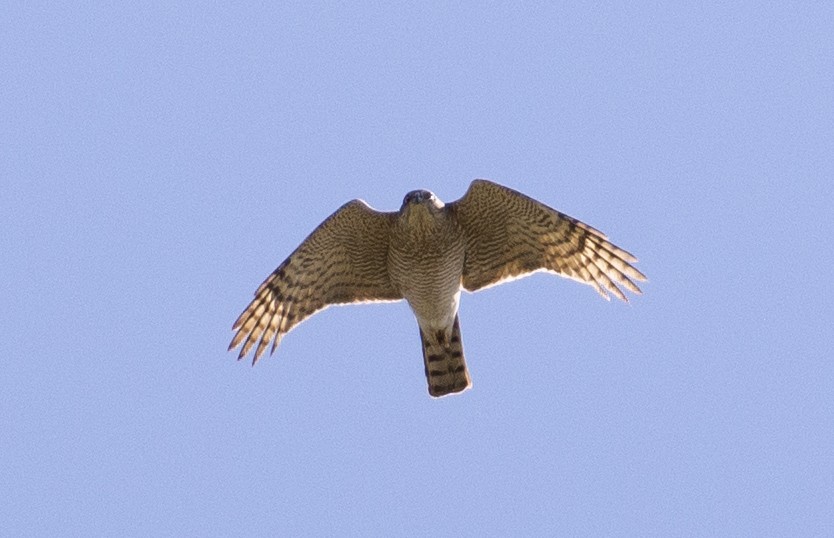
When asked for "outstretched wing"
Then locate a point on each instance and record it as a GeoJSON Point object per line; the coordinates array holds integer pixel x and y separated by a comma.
{"type": "Point", "coordinates": [509, 235]}
{"type": "Point", "coordinates": [344, 260]}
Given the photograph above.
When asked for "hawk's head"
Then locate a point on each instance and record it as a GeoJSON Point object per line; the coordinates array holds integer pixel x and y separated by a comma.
{"type": "Point", "coordinates": [423, 198]}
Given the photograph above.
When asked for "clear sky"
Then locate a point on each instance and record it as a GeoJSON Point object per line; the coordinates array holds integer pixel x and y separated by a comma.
{"type": "Point", "coordinates": [158, 160]}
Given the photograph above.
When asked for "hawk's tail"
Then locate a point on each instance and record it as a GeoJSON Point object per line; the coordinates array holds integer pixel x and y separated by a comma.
{"type": "Point", "coordinates": [445, 367]}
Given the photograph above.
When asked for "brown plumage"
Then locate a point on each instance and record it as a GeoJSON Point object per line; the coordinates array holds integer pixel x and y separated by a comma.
{"type": "Point", "coordinates": [426, 253]}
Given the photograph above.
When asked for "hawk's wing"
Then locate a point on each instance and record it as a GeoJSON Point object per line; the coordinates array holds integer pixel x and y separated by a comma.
{"type": "Point", "coordinates": [344, 260]}
{"type": "Point", "coordinates": [509, 235]}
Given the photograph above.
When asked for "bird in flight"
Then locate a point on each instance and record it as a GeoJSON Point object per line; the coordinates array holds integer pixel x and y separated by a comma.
{"type": "Point", "coordinates": [426, 253]}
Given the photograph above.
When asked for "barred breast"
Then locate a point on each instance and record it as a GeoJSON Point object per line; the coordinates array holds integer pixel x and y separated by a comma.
{"type": "Point", "coordinates": [425, 263]}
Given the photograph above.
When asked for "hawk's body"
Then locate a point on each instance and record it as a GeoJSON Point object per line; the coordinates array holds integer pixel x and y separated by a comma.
{"type": "Point", "coordinates": [425, 261]}
{"type": "Point", "coordinates": [426, 253]}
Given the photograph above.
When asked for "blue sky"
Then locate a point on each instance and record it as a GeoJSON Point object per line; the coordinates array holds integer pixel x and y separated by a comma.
{"type": "Point", "coordinates": [158, 160]}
